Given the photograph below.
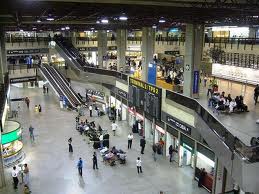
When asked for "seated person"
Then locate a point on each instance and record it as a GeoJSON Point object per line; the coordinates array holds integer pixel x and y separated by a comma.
{"type": "Point", "coordinates": [229, 97]}
{"type": "Point", "coordinates": [221, 103]}
{"type": "Point", "coordinates": [176, 81]}
{"type": "Point", "coordinates": [114, 150]}
{"type": "Point", "coordinates": [238, 103]}
{"type": "Point", "coordinates": [108, 156]}
{"type": "Point", "coordinates": [244, 107]}
{"type": "Point", "coordinates": [169, 79]}
{"type": "Point", "coordinates": [223, 94]}
{"type": "Point", "coordinates": [232, 105]}
{"type": "Point", "coordinates": [214, 99]}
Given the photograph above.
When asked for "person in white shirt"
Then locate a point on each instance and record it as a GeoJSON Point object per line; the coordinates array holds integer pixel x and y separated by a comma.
{"type": "Point", "coordinates": [236, 188]}
{"type": "Point", "coordinates": [130, 138]}
{"type": "Point", "coordinates": [15, 177]}
{"type": "Point", "coordinates": [138, 163]}
{"type": "Point", "coordinates": [232, 105]}
{"type": "Point", "coordinates": [114, 127]}
{"type": "Point", "coordinates": [91, 110]}
{"type": "Point", "coordinates": [101, 141]}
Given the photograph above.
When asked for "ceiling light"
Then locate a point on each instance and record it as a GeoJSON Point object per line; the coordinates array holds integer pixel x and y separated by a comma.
{"type": "Point", "coordinates": [154, 26]}
{"type": "Point", "coordinates": [63, 28]}
{"type": "Point", "coordinates": [123, 17]}
{"type": "Point", "coordinates": [98, 22]}
{"type": "Point", "coordinates": [67, 27]}
{"type": "Point", "coordinates": [38, 21]}
{"type": "Point", "coordinates": [161, 20]}
{"type": "Point", "coordinates": [50, 18]}
{"type": "Point", "coordinates": [21, 30]}
{"type": "Point", "coordinates": [92, 28]}
{"type": "Point", "coordinates": [34, 28]}
{"type": "Point", "coordinates": [105, 21]}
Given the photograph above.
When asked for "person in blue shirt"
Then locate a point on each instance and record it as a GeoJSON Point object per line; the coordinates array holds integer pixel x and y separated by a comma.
{"type": "Point", "coordinates": [80, 166]}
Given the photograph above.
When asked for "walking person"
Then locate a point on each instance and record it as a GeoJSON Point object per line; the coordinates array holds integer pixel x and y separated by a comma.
{"type": "Point", "coordinates": [80, 166]}
{"type": "Point", "coordinates": [236, 188]}
{"type": "Point", "coordinates": [47, 89]}
{"type": "Point", "coordinates": [27, 102]}
{"type": "Point", "coordinates": [95, 165]}
{"type": "Point", "coordinates": [91, 110]}
{"type": "Point", "coordinates": [138, 163]}
{"type": "Point", "coordinates": [70, 147]}
{"type": "Point", "coordinates": [114, 127]}
{"type": "Point", "coordinates": [31, 131]}
{"type": "Point", "coordinates": [15, 177]}
{"type": "Point", "coordinates": [101, 141]}
{"type": "Point", "coordinates": [142, 144]}
{"type": "Point", "coordinates": [130, 138]}
{"type": "Point", "coordinates": [154, 147]}
{"type": "Point", "coordinates": [26, 174]}
{"type": "Point", "coordinates": [39, 108]}
{"type": "Point", "coordinates": [44, 89]}
{"type": "Point", "coordinates": [256, 93]}
{"type": "Point", "coordinates": [171, 153]}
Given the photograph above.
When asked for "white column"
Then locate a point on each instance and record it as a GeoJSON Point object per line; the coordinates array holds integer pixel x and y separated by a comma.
{"type": "Point", "coordinates": [121, 42]}
{"type": "Point", "coordinates": [3, 65]}
{"type": "Point", "coordinates": [102, 48]}
{"type": "Point", "coordinates": [148, 48]}
{"type": "Point", "coordinates": [193, 55]}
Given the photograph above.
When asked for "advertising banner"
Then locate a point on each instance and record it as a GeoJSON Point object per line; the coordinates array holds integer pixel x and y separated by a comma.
{"type": "Point", "coordinates": [196, 81]}
{"type": "Point", "coordinates": [152, 73]}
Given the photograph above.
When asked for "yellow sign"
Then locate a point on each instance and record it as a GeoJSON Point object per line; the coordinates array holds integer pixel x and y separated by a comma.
{"type": "Point", "coordinates": [143, 85]}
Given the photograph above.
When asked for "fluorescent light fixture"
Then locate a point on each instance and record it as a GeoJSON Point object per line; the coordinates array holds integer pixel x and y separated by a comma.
{"type": "Point", "coordinates": [105, 21]}
{"type": "Point", "coordinates": [161, 20]}
{"type": "Point", "coordinates": [50, 18]}
{"type": "Point", "coordinates": [123, 18]}
{"type": "Point", "coordinates": [67, 27]}
{"type": "Point", "coordinates": [63, 28]}
{"type": "Point", "coordinates": [34, 28]}
{"type": "Point", "coordinates": [38, 21]}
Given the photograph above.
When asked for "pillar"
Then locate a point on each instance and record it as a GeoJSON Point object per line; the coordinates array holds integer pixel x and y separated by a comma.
{"type": "Point", "coordinates": [3, 71]}
{"type": "Point", "coordinates": [252, 32]}
{"type": "Point", "coordinates": [3, 65]}
{"type": "Point", "coordinates": [194, 38]}
{"type": "Point", "coordinates": [147, 48]}
{"type": "Point", "coordinates": [121, 42]}
{"type": "Point", "coordinates": [102, 48]}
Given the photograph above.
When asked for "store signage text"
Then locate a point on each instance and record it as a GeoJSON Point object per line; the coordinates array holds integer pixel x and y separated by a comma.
{"type": "Point", "coordinates": [27, 51]}
{"type": "Point", "coordinates": [153, 89]}
{"type": "Point", "coordinates": [87, 48]}
{"type": "Point", "coordinates": [123, 93]}
{"type": "Point", "coordinates": [22, 79]}
{"type": "Point", "coordinates": [178, 125]}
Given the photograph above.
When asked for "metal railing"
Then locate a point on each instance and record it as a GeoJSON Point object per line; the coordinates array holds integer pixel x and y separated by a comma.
{"type": "Point", "coordinates": [249, 153]}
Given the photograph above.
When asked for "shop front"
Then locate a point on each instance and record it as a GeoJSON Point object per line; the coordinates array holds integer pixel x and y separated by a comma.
{"type": "Point", "coordinates": [186, 151]}
{"type": "Point", "coordinates": [159, 133]}
{"type": "Point", "coordinates": [90, 54]}
{"type": "Point", "coordinates": [12, 146]}
{"type": "Point", "coordinates": [149, 129]}
{"type": "Point", "coordinates": [172, 139]}
{"type": "Point", "coordinates": [136, 120]}
{"type": "Point", "coordinates": [205, 160]}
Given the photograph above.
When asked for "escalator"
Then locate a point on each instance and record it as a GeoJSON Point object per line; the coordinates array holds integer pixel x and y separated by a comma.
{"type": "Point", "coordinates": [81, 67]}
{"type": "Point", "coordinates": [60, 85]}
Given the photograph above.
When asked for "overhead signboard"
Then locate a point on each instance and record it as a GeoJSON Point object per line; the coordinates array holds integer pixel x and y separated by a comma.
{"type": "Point", "coordinates": [23, 79]}
{"type": "Point", "coordinates": [87, 48]}
{"type": "Point", "coordinates": [178, 125]}
{"type": "Point", "coordinates": [145, 96]}
{"type": "Point", "coordinates": [27, 51]}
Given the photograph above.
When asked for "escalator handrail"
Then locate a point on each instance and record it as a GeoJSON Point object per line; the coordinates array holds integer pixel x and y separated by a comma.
{"type": "Point", "coordinates": [67, 85]}
{"type": "Point", "coordinates": [63, 92]}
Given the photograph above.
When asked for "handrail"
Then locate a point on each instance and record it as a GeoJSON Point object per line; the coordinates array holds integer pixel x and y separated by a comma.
{"type": "Point", "coordinates": [248, 153]}
{"type": "Point", "coordinates": [83, 66]}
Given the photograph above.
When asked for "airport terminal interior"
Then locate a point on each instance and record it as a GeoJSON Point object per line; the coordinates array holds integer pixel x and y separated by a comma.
{"type": "Point", "coordinates": [129, 97]}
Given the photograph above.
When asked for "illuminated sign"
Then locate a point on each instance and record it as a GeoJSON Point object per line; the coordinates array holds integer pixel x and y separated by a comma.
{"type": "Point", "coordinates": [11, 136]}
{"type": "Point", "coordinates": [150, 88]}
{"type": "Point", "coordinates": [178, 125]}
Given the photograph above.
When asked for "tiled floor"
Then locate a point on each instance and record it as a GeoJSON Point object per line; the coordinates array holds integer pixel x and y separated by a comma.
{"type": "Point", "coordinates": [53, 169]}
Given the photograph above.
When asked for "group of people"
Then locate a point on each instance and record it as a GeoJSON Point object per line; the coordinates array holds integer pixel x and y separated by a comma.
{"type": "Point", "coordinates": [37, 108]}
{"type": "Point", "coordinates": [45, 89]}
{"type": "Point", "coordinates": [24, 172]}
{"type": "Point", "coordinates": [221, 102]}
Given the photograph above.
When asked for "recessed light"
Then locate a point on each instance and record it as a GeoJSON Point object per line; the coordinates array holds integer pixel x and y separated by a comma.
{"type": "Point", "coordinates": [123, 18]}
{"type": "Point", "coordinates": [63, 28]}
{"type": "Point", "coordinates": [67, 27]}
{"type": "Point", "coordinates": [105, 21]}
{"type": "Point", "coordinates": [154, 26]}
{"type": "Point", "coordinates": [34, 28]}
{"type": "Point", "coordinates": [38, 21]}
{"type": "Point", "coordinates": [161, 20]}
{"type": "Point", "coordinates": [98, 22]}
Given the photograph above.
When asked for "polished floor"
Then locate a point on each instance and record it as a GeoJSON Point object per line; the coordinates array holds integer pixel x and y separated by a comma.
{"type": "Point", "coordinates": [53, 170]}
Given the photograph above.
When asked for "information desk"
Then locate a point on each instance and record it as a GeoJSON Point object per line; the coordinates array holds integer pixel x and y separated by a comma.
{"type": "Point", "coordinates": [12, 146]}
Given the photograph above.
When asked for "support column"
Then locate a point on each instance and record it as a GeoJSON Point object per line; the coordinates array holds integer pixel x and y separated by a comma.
{"type": "Point", "coordinates": [121, 42]}
{"type": "Point", "coordinates": [3, 70]}
{"type": "Point", "coordinates": [194, 38]}
{"type": "Point", "coordinates": [148, 48]}
{"type": "Point", "coordinates": [102, 48]}
{"type": "Point", "coordinates": [252, 32]}
{"type": "Point", "coordinates": [3, 65]}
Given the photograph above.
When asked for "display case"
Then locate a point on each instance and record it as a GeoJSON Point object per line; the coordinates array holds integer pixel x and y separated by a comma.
{"type": "Point", "coordinates": [11, 143]}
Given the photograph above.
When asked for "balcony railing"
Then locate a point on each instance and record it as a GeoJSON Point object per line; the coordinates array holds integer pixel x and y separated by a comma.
{"type": "Point", "coordinates": [250, 153]}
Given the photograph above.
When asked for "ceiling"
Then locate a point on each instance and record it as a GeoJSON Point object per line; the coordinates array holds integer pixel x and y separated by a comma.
{"type": "Point", "coordinates": [83, 14]}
